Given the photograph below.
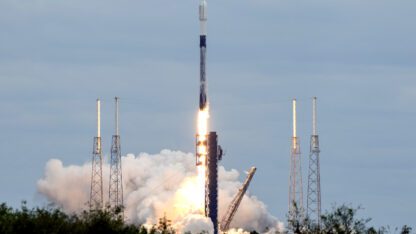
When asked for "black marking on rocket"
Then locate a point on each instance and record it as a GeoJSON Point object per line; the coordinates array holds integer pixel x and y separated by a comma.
{"type": "Point", "coordinates": [202, 41]}
{"type": "Point", "coordinates": [202, 100]}
{"type": "Point", "coordinates": [202, 87]}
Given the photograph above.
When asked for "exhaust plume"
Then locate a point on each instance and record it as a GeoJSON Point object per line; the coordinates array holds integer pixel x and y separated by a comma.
{"type": "Point", "coordinates": [155, 185]}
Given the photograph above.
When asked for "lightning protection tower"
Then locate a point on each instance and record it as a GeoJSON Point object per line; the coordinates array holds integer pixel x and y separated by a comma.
{"type": "Point", "coordinates": [295, 178]}
{"type": "Point", "coordinates": [116, 182]}
{"type": "Point", "coordinates": [314, 178]}
{"type": "Point", "coordinates": [96, 194]}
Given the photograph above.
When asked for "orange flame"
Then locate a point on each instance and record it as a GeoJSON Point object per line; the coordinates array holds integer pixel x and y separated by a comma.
{"type": "Point", "coordinates": [201, 152]}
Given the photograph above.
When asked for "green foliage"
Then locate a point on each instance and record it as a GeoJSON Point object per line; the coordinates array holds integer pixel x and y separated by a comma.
{"type": "Point", "coordinates": [53, 221]}
{"type": "Point", "coordinates": [165, 226]}
{"type": "Point", "coordinates": [296, 220]}
{"type": "Point", "coordinates": [406, 229]}
{"type": "Point", "coordinates": [341, 220]}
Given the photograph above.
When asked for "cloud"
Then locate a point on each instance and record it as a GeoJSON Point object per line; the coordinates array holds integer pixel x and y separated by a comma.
{"type": "Point", "coordinates": [155, 186]}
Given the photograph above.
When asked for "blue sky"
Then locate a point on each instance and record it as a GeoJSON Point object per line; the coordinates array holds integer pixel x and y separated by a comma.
{"type": "Point", "coordinates": [357, 57]}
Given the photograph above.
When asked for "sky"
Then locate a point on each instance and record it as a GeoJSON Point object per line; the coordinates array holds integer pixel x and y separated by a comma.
{"type": "Point", "coordinates": [357, 56]}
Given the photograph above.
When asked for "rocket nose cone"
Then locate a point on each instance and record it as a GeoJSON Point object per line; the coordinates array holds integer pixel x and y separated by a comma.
{"type": "Point", "coordinates": [203, 10]}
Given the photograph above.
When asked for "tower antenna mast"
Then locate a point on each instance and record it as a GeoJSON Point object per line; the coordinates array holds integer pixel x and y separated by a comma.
{"type": "Point", "coordinates": [96, 192]}
{"type": "Point", "coordinates": [314, 178]}
{"type": "Point", "coordinates": [116, 178]}
{"type": "Point", "coordinates": [295, 178]}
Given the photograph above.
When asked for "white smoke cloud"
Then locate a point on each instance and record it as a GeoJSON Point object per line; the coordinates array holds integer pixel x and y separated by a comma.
{"type": "Point", "coordinates": [154, 186]}
{"type": "Point", "coordinates": [196, 224]}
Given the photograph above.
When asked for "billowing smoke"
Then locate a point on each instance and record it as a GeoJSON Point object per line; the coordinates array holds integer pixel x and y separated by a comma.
{"type": "Point", "coordinates": [155, 186]}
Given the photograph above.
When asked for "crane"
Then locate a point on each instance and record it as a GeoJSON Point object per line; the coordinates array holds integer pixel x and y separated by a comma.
{"type": "Point", "coordinates": [235, 203]}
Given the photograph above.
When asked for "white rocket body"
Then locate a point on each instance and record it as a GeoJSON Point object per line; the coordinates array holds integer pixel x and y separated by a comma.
{"type": "Point", "coordinates": [203, 17]}
{"type": "Point", "coordinates": [203, 99]}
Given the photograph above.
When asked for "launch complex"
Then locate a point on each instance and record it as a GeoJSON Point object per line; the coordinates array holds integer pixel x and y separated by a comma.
{"type": "Point", "coordinates": [208, 154]}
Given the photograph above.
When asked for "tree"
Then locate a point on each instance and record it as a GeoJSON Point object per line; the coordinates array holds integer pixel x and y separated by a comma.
{"type": "Point", "coordinates": [340, 220]}
{"type": "Point", "coordinates": [343, 220]}
{"type": "Point", "coordinates": [298, 223]}
{"type": "Point", "coordinates": [406, 229]}
{"type": "Point", "coordinates": [165, 226]}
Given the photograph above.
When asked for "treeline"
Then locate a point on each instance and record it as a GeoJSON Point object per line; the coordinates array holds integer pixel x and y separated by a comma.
{"type": "Point", "coordinates": [341, 220]}
{"type": "Point", "coordinates": [55, 221]}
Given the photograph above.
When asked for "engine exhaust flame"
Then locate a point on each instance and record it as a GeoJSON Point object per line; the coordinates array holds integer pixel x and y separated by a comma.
{"type": "Point", "coordinates": [201, 154]}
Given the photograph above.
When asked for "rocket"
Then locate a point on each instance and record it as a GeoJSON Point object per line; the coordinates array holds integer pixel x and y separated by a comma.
{"type": "Point", "coordinates": [203, 49]}
{"type": "Point", "coordinates": [201, 137]}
